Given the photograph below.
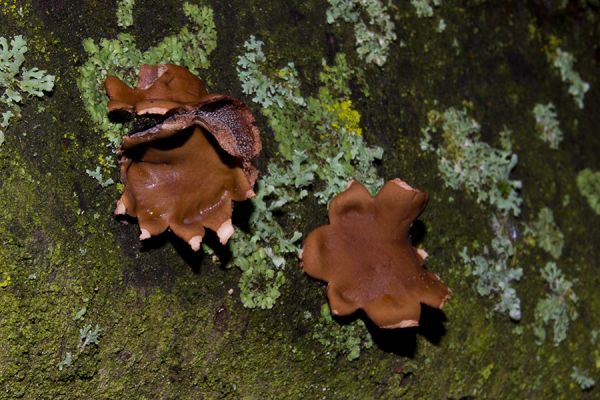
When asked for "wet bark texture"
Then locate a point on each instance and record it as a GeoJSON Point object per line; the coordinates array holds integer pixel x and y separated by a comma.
{"type": "Point", "coordinates": [169, 328]}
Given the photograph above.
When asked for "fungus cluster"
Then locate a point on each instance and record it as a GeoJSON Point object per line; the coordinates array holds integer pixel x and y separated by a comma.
{"type": "Point", "coordinates": [188, 156]}
{"type": "Point", "coordinates": [366, 256]}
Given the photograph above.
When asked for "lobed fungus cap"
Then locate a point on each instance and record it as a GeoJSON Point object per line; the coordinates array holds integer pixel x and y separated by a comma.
{"type": "Point", "coordinates": [160, 89]}
{"type": "Point", "coordinates": [184, 172]}
{"type": "Point", "coordinates": [366, 256]}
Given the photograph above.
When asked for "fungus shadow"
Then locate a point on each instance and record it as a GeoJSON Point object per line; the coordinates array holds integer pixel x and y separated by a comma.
{"type": "Point", "coordinates": [194, 259]}
{"type": "Point", "coordinates": [417, 232]}
{"type": "Point", "coordinates": [242, 212]}
{"type": "Point", "coordinates": [120, 117]}
{"type": "Point", "coordinates": [403, 341]}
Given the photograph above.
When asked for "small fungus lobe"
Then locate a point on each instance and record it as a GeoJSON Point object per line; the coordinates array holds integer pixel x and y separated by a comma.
{"type": "Point", "coordinates": [188, 156]}
{"type": "Point", "coordinates": [366, 256]}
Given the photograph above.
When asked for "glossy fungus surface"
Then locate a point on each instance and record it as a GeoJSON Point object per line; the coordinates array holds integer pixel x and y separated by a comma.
{"type": "Point", "coordinates": [366, 256]}
{"type": "Point", "coordinates": [183, 170]}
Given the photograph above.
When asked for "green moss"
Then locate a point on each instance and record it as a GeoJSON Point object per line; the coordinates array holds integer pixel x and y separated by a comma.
{"type": "Point", "coordinates": [340, 339]}
{"type": "Point", "coordinates": [167, 318]}
{"type": "Point", "coordinates": [6, 280]}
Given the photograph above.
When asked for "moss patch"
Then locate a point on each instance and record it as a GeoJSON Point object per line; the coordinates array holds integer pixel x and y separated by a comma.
{"type": "Point", "coordinates": [169, 327]}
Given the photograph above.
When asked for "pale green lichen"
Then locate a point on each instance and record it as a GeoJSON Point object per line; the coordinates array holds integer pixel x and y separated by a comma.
{"type": "Point", "coordinates": [547, 124]}
{"type": "Point", "coordinates": [88, 336]}
{"type": "Point", "coordinates": [337, 339]}
{"type": "Point", "coordinates": [66, 362]}
{"type": "Point", "coordinates": [261, 254]}
{"type": "Point", "coordinates": [583, 379]}
{"type": "Point", "coordinates": [495, 271]}
{"type": "Point", "coordinates": [594, 336]}
{"type": "Point", "coordinates": [546, 233]}
{"type": "Point", "coordinates": [465, 161]}
{"type": "Point", "coordinates": [320, 144]}
{"type": "Point", "coordinates": [564, 62]}
{"type": "Point", "coordinates": [588, 182]}
{"type": "Point", "coordinates": [80, 314]}
{"type": "Point", "coordinates": [120, 57]}
{"type": "Point", "coordinates": [424, 8]}
{"type": "Point", "coordinates": [325, 129]}
{"type": "Point", "coordinates": [373, 27]}
{"type": "Point", "coordinates": [336, 76]}
{"type": "Point", "coordinates": [266, 90]}
{"type": "Point", "coordinates": [125, 13]}
{"type": "Point", "coordinates": [16, 81]}
{"type": "Point", "coordinates": [97, 175]}
{"type": "Point", "coordinates": [441, 26]}
{"type": "Point", "coordinates": [260, 283]}
{"type": "Point", "coordinates": [557, 308]}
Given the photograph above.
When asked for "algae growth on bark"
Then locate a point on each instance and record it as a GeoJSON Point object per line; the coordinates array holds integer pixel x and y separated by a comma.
{"type": "Point", "coordinates": [341, 89]}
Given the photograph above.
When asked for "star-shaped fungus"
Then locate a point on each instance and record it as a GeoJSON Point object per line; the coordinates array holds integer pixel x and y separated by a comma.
{"type": "Point", "coordinates": [366, 256]}
{"type": "Point", "coordinates": [188, 157]}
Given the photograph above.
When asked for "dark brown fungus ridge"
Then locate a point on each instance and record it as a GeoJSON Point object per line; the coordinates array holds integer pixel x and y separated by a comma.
{"type": "Point", "coordinates": [184, 172]}
{"type": "Point", "coordinates": [366, 256]}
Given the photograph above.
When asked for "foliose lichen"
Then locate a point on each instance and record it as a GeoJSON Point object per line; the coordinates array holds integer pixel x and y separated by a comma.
{"type": "Point", "coordinates": [546, 233]}
{"type": "Point", "coordinates": [564, 62]}
{"type": "Point", "coordinates": [588, 183]}
{"type": "Point", "coordinates": [16, 81]}
{"type": "Point", "coordinates": [97, 175]}
{"type": "Point", "coordinates": [424, 8]}
{"type": "Point", "coordinates": [495, 271]}
{"type": "Point", "coordinates": [87, 336]}
{"type": "Point", "coordinates": [374, 30]}
{"type": "Point", "coordinates": [125, 13]}
{"type": "Point", "coordinates": [583, 378]}
{"type": "Point", "coordinates": [547, 124]}
{"type": "Point", "coordinates": [465, 161]}
{"type": "Point", "coordinates": [261, 253]}
{"type": "Point", "coordinates": [558, 308]}
{"type": "Point", "coordinates": [321, 145]}
{"type": "Point", "coordinates": [266, 91]}
{"type": "Point", "coordinates": [65, 362]}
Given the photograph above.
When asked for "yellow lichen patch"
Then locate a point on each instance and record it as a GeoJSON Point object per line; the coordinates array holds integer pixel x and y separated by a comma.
{"type": "Point", "coordinates": [349, 118]}
{"type": "Point", "coordinates": [8, 7]}
{"type": "Point", "coordinates": [107, 163]}
{"type": "Point", "coordinates": [6, 280]}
